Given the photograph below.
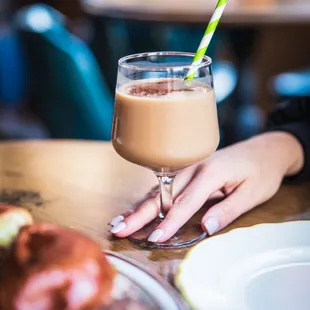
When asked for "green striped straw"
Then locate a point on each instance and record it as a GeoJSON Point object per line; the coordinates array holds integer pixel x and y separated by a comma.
{"type": "Point", "coordinates": [205, 42]}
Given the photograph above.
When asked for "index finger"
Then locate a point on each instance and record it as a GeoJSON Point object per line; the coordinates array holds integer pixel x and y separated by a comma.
{"type": "Point", "coordinates": [186, 205]}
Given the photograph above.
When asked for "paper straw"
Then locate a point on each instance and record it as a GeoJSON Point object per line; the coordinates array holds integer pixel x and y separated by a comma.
{"type": "Point", "coordinates": [205, 42]}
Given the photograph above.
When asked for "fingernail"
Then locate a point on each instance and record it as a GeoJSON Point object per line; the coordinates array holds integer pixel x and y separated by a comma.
{"type": "Point", "coordinates": [116, 220]}
{"type": "Point", "coordinates": [118, 228]}
{"type": "Point", "coordinates": [155, 236]}
{"type": "Point", "coordinates": [212, 225]}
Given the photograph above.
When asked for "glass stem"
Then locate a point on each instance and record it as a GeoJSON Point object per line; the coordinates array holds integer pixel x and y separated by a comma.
{"type": "Point", "coordinates": [166, 191]}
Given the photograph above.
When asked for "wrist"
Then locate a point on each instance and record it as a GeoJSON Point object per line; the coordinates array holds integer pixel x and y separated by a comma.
{"type": "Point", "coordinates": [285, 149]}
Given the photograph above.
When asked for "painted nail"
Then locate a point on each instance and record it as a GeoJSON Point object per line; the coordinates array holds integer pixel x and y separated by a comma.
{"type": "Point", "coordinates": [212, 225]}
{"type": "Point", "coordinates": [155, 236]}
{"type": "Point", "coordinates": [118, 228]}
{"type": "Point", "coordinates": [116, 220]}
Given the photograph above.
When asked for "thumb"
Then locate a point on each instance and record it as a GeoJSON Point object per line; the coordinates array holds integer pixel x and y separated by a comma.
{"type": "Point", "coordinates": [228, 210]}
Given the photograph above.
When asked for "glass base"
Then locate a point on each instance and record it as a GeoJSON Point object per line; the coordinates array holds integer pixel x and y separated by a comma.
{"type": "Point", "coordinates": [186, 236]}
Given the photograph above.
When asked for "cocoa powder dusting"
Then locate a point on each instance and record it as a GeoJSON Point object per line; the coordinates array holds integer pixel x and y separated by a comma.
{"type": "Point", "coordinates": [157, 89]}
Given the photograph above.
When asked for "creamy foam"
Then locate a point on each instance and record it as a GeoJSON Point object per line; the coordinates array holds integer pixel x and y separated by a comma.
{"type": "Point", "coordinates": [160, 88]}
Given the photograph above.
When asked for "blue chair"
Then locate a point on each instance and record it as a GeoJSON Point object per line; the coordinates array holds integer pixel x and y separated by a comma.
{"type": "Point", "coordinates": [12, 71]}
{"type": "Point", "coordinates": [70, 93]}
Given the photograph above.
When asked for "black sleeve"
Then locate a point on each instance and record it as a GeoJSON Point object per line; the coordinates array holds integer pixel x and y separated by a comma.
{"type": "Point", "coordinates": [293, 116]}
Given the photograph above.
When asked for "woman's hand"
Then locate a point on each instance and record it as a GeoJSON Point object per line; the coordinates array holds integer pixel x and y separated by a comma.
{"type": "Point", "coordinates": [247, 174]}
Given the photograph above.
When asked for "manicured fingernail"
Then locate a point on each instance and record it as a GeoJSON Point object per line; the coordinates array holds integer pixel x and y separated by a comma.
{"type": "Point", "coordinates": [118, 228]}
{"type": "Point", "coordinates": [212, 225]}
{"type": "Point", "coordinates": [156, 235]}
{"type": "Point", "coordinates": [116, 220]}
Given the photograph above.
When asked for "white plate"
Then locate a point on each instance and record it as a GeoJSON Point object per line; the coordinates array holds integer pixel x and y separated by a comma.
{"type": "Point", "coordinates": [265, 267]}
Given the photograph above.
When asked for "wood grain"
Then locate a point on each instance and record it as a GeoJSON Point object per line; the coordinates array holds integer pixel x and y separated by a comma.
{"type": "Point", "coordinates": [83, 185]}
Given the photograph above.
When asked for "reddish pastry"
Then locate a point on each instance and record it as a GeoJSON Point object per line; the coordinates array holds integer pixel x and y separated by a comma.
{"type": "Point", "coordinates": [52, 268]}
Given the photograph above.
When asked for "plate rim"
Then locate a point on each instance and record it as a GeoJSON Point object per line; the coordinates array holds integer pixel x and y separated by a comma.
{"type": "Point", "coordinates": [180, 287]}
{"type": "Point", "coordinates": [181, 303]}
{"type": "Point", "coordinates": [238, 229]}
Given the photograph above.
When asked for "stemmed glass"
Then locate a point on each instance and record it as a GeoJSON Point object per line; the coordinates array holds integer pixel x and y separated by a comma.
{"type": "Point", "coordinates": [165, 123]}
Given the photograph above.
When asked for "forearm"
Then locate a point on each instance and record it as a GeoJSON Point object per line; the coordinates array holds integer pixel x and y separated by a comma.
{"type": "Point", "coordinates": [293, 117]}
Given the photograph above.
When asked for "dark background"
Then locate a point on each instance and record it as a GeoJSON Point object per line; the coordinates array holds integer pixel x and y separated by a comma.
{"type": "Point", "coordinates": [263, 62]}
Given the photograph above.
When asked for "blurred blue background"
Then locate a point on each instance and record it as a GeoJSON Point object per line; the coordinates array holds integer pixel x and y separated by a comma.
{"type": "Point", "coordinates": [58, 69]}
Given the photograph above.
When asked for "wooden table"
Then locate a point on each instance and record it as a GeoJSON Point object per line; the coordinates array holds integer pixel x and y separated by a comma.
{"type": "Point", "coordinates": [249, 12]}
{"type": "Point", "coordinates": [83, 185]}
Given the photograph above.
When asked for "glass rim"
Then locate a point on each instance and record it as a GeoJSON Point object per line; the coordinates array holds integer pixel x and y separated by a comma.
{"type": "Point", "coordinates": [206, 61]}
